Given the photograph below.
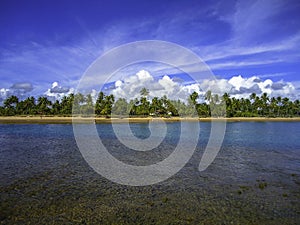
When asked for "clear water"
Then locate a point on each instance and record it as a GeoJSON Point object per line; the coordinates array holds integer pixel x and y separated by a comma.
{"type": "Point", "coordinates": [254, 179]}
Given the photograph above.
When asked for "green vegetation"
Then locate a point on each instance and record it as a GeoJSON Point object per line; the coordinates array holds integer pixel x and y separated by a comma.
{"type": "Point", "coordinates": [262, 185]}
{"type": "Point", "coordinates": [107, 105]}
{"type": "Point", "coordinates": [243, 189]}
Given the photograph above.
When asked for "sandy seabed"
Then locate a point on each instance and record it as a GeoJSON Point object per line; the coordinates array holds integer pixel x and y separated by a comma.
{"type": "Point", "coordinates": [45, 180]}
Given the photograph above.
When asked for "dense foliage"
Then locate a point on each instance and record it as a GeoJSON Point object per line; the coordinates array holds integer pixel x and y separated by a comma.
{"type": "Point", "coordinates": [106, 105]}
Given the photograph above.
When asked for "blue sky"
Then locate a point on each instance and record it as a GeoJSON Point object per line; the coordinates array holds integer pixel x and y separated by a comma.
{"type": "Point", "coordinates": [42, 42]}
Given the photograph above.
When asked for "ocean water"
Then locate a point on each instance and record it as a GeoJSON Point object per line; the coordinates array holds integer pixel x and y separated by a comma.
{"type": "Point", "coordinates": [255, 178]}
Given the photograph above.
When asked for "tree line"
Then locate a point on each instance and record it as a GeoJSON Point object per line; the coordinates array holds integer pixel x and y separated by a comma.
{"type": "Point", "coordinates": [107, 105]}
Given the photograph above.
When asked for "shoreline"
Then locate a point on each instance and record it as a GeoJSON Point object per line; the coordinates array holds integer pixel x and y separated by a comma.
{"type": "Point", "coordinates": [69, 120]}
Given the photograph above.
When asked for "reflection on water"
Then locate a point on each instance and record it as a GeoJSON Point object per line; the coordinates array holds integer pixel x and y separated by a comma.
{"type": "Point", "coordinates": [255, 178]}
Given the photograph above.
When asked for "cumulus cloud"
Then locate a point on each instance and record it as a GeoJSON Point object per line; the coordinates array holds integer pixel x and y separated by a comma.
{"type": "Point", "coordinates": [173, 88]}
{"type": "Point", "coordinates": [237, 86]}
{"type": "Point", "coordinates": [24, 87]}
{"type": "Point", "coordinates": [118, 83]}
{"type": "Point", "coordinates": [217, 86]}
{"type": "Point", "coordinates": [238, 81]}
{"type": "Point", "coordinates": [278, 86]}
{"type": "Point", "coordinates": [244, 90]}
{"type": "Point", "coordinates": [58, 89]}
{"type": "Point", "coordinates": [257, 80]}
{"type": "Point", "coordinates": [130, 87]}
{"type": "Point", "coordinates": [4, 93]}
{"type": "Point", "coordinates": [177, 79]}
{"type": "Point", "coordinates": [21, 90]}
{"type": "Point", "coordinates": [57, 92]}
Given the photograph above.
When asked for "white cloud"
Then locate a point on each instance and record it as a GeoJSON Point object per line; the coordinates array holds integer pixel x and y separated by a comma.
{"type": "Point", "coordinates": [144, 76]}
{"type": "Point", "coordinates": [118, 83]}
{"type": "Point", "coordinates": [238, 81]}
{"type": "Point", "coordinates": [54, 84]}
{"type": "Point", "coordinates": [167, 83]}
{"type": "Point", "coordinates": [21, 89]}
{"type": "Point", "coordinates": [217, 86]}
{"type": "Point", "coordinates": [131, 86]}
{"type": "Point", "coordinates": [4, 93]}
{"type": "Point", "coordinates": [237, 86]}
{"type": "Point", "coordinates": [57, 92]}
{"type": "Point", "coordinates": [94, 95]}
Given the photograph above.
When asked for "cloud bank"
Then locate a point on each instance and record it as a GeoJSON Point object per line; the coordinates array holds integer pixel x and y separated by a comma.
{"type": "Point", "coordinates": [173, 87]}
{"type": "Point", "coordinates": [236, 86]}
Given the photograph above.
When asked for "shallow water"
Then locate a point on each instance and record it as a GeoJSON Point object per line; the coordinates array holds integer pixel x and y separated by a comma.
{"type": "Point", "coordinates": [255, 178]}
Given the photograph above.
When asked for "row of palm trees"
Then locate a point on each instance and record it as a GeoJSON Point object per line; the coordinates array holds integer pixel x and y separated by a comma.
{"type": "Point", "coordinates": [106, 105]}
{"type": "Point", "coordinates": [261, 106]}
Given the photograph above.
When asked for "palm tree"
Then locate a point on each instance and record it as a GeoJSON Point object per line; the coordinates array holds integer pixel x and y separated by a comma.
{"type": "Point", "coordinates": [254, 103]}
{"type": "Point", "coordinates": [248, 108]}
{"type": "Point", "coordinates": [27, 106]}
{"type": "Point", "coordinates": [192, 103]}
{"type": "Point", "coordinates": [227, 100]}
{"type": "Point", "coordinates": [78, 102]}
{"type": "Point", "coordinates": [10, 105]}
{"type": "Point", "coordinates": [285, 105]}
{"type": "Point", "coordinates": [11, 102]}
{"type": "Point", "coordinates": [265, 100]}
{"type": "Point", "coordinates": [297, 107]}
{"type": "Point", "coordinates": [131, 108]}
{"type": "Point", "coordinates": [43, 104]}
{"type": "Point", "coordinates": [279, 103]}
{"type": "Point", "coordinates": [216, 98]}
{"type": "Point", "coordinates": [144, 106]}
{"type": "Point", "coordinates": [120, 107]}
{"type": "Point", "coordinates": [67, 104]}
{"type": "Point", "coordinates": [164, 105]}
{"type": "Point", "coordinates": [154, 105]}
{"type": "Point", "coordinates": [100, 104]}
{"type": "Point", "coordinates": [208, 96]}
{"type": "Point", "coordinates": [144, 92]}
{"type": "Point", "coordinates": [88, 107]}
{"type": "Point", "coordinates": [107, 105]}
{"type": "Point", "coordinates": [253, 96]}
{"type": "Point", "coordinates": [252, 106]}
{"type": "Point", "coordinates": [193, 97]}
{"type": "Point", "coordinates": [56, 108]}
{"type": "Point", "coordinates": [257, 106]}
{"type": "Point", "coordinates": [273, 107]}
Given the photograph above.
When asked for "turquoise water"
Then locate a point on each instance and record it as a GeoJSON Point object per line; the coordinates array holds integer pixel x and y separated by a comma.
{"type": "Point", "coordinates": [254, 179]}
